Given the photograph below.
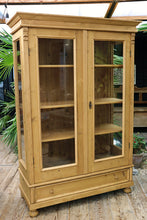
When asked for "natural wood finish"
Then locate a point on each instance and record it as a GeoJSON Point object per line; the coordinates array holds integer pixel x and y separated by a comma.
{"type": "Point", "coordinates": [57, 104]}
{"type": "Point", "coordinates": [107, 128]}
{"type": "Point", "coordinates": [85, 100]}
{"type": "Point", "coordinates": [79, 186]}
{"type": "Point", "coordinates": [131, 90]}
{"type": "Point", "coordinates": [68, 104]}
{"type": "Point", "coordinates": [136, 18]}
{"type": "Point", "coordinates": [111, 9]}
{"type": "Point", "coordinates": [64, 22]}
{"type": "Point", "coordinates": [102, 101]}
{"type": "Point", "coordinates": [57, 1]}
{"type": "Point", "coordinates": [33, 213]}
{"type": "Point", "coordinates": [57, 135]}
{"type": "Point", "coordinates": [127, 190]}
{"type": "Point", "coordinates": [55, 66]}
{"type": "Point", "coordinates": [2, 21]}
{"type": "Point", "coordinates": [108, 65]}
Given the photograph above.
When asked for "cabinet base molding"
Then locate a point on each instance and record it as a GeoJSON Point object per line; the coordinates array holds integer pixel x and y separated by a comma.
{"type": "Point", "coordinates": [55, 193]}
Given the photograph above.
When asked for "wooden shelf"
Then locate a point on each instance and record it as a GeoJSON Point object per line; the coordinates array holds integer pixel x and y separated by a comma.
{"type": "Point", "coordinates": [107, 129]}
{"type": "Point", "coordinates": [108, 65]}
{"type": "Point", "coordinates": [55, 161]}
{"type": "Point", "coordinates": [57, 104]}
{"type": "Point", "coordinates": [57, 135]}
{"type": "Point", "coordinates": [55, 66]}
{"type": "Point", "coordinates": [103, 101]}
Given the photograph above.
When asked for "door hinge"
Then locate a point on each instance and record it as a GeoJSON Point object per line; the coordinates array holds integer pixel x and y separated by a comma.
{"type": "Point", "coordinates": [29, 51]}
{"type": "Point", "coordinates": [33, 161]}
{"type": "Point", "coordinates": [130, 53]}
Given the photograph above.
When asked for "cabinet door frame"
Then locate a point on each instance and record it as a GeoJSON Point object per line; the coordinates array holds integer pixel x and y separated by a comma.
{"type": "Point", "coordinates": [25, 166]}
{"type": "Point", "coordinates": [124, 159]}
{"type": "Point", "coordinates": [64, 171]}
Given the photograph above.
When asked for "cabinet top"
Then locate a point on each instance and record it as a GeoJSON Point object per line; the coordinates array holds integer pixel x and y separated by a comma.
{"type": "Point", "coordinates": [21, 19]}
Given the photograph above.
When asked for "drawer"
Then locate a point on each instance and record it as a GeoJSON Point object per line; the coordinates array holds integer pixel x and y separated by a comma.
{"type": "Point", "coordinates": [79, 185]}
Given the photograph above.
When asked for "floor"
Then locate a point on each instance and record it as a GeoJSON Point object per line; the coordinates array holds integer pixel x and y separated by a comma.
{"type": "Point", "coordinates": [109, 206]}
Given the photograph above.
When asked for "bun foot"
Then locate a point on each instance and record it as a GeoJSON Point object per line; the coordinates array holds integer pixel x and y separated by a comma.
{"type": "Point", "coordinates": [127, 190]}
{"type": "Point", "coordinates": [33, 213]}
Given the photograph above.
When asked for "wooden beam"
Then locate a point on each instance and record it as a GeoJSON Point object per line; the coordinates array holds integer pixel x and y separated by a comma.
{"type": "Point", "coordinates": [111, 9]}
{"type": "Point", "coordinates": [136, 18]}
{"type": "Point", "coordinates": [2, 21]}
{"type": "Point", "coordinates": [11, 2]}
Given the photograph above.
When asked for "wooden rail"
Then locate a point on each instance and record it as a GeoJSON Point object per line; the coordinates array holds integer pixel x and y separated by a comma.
{"type": "Point", "coordinates": [139, 91]}
{"type": "Point", "coordinates": [57, 1]}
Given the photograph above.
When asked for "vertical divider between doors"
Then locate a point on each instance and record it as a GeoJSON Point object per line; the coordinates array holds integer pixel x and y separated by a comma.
{"type": "Point", "coordinates": [75, 99]}
{"type": "Point", "coordinates": [131, 110]}
{"type": "Point", "coordinates": [85, 100]}
{"type": "Point", "coordinates": [90, 95]}
{"type": "Point", "coordinates": [126, 99]}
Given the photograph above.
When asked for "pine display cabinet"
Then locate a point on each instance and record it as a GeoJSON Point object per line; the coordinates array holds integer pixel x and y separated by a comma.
{"type": "Point", "coordinates": [71, 142]}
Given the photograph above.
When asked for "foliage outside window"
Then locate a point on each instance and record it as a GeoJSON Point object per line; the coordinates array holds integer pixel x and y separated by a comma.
{"type": "Point", "coordinates": [7, 108]}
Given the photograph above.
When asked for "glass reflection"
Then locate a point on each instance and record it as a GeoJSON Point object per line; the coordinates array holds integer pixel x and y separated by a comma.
{"type": "Point", "coordinates": [55, 51]}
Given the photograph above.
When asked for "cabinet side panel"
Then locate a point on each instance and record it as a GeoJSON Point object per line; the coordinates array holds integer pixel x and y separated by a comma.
{"type": "Point", "coordinates": [17, 72]}
{"type": "Point", "coordinates": [25, 190]}
{"type": "Point", "coordinates": [27, 104]}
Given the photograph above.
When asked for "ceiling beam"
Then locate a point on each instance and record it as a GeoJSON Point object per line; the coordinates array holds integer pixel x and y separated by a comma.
{"type": "Point", "coordinates": [111, 9]}
{"type": "Point", "coordinates": [13, 2]}
{"type": "Point", "coordinates": [2, 21]}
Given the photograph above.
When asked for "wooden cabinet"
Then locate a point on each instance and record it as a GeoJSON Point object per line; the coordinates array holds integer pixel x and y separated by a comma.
{"type": "Point", "coordinates": [71, 142]}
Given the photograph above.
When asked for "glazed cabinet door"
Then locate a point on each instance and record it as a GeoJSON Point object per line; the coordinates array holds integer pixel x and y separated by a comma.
{"type": "Point", "coordinates": [56, 86]}
{"type": "Point", "coordinates": [108, 113]}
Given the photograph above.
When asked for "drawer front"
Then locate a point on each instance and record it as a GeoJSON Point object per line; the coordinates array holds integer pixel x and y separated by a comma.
{"type": "Point", "coordinates": [81, 185]}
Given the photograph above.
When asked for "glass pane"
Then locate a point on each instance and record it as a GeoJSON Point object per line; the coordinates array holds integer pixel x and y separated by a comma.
{"type": "Point", "coordinates": [57, 101]}
{"type": "Point", "coordinates": [108, 114]}
{"type": "Point", "coordinates": [22, 135]}
{"type": "Point", "coordinates": [108, 124]}
{"type": "Point", "coordinates": [108, 82]}
{"type": "Point", "coordinates": [22, 144]}
{"type": "Point", "coordinates": [55, 51]}
{"type": "Point", "coordinates": [108, 52]}
{"type": "Point", "coordinates": [57, 153]}
{"type": "Point", "coordinates": [108, 145]}
{"type": "Point", "coordinates": [57, 123]}
{"type": "Point", "coordinates": [56, 84]}
{"type": "Point", "coordinates": [19, 73]}
{"type": "Point", "coordinates": [117, 114]}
